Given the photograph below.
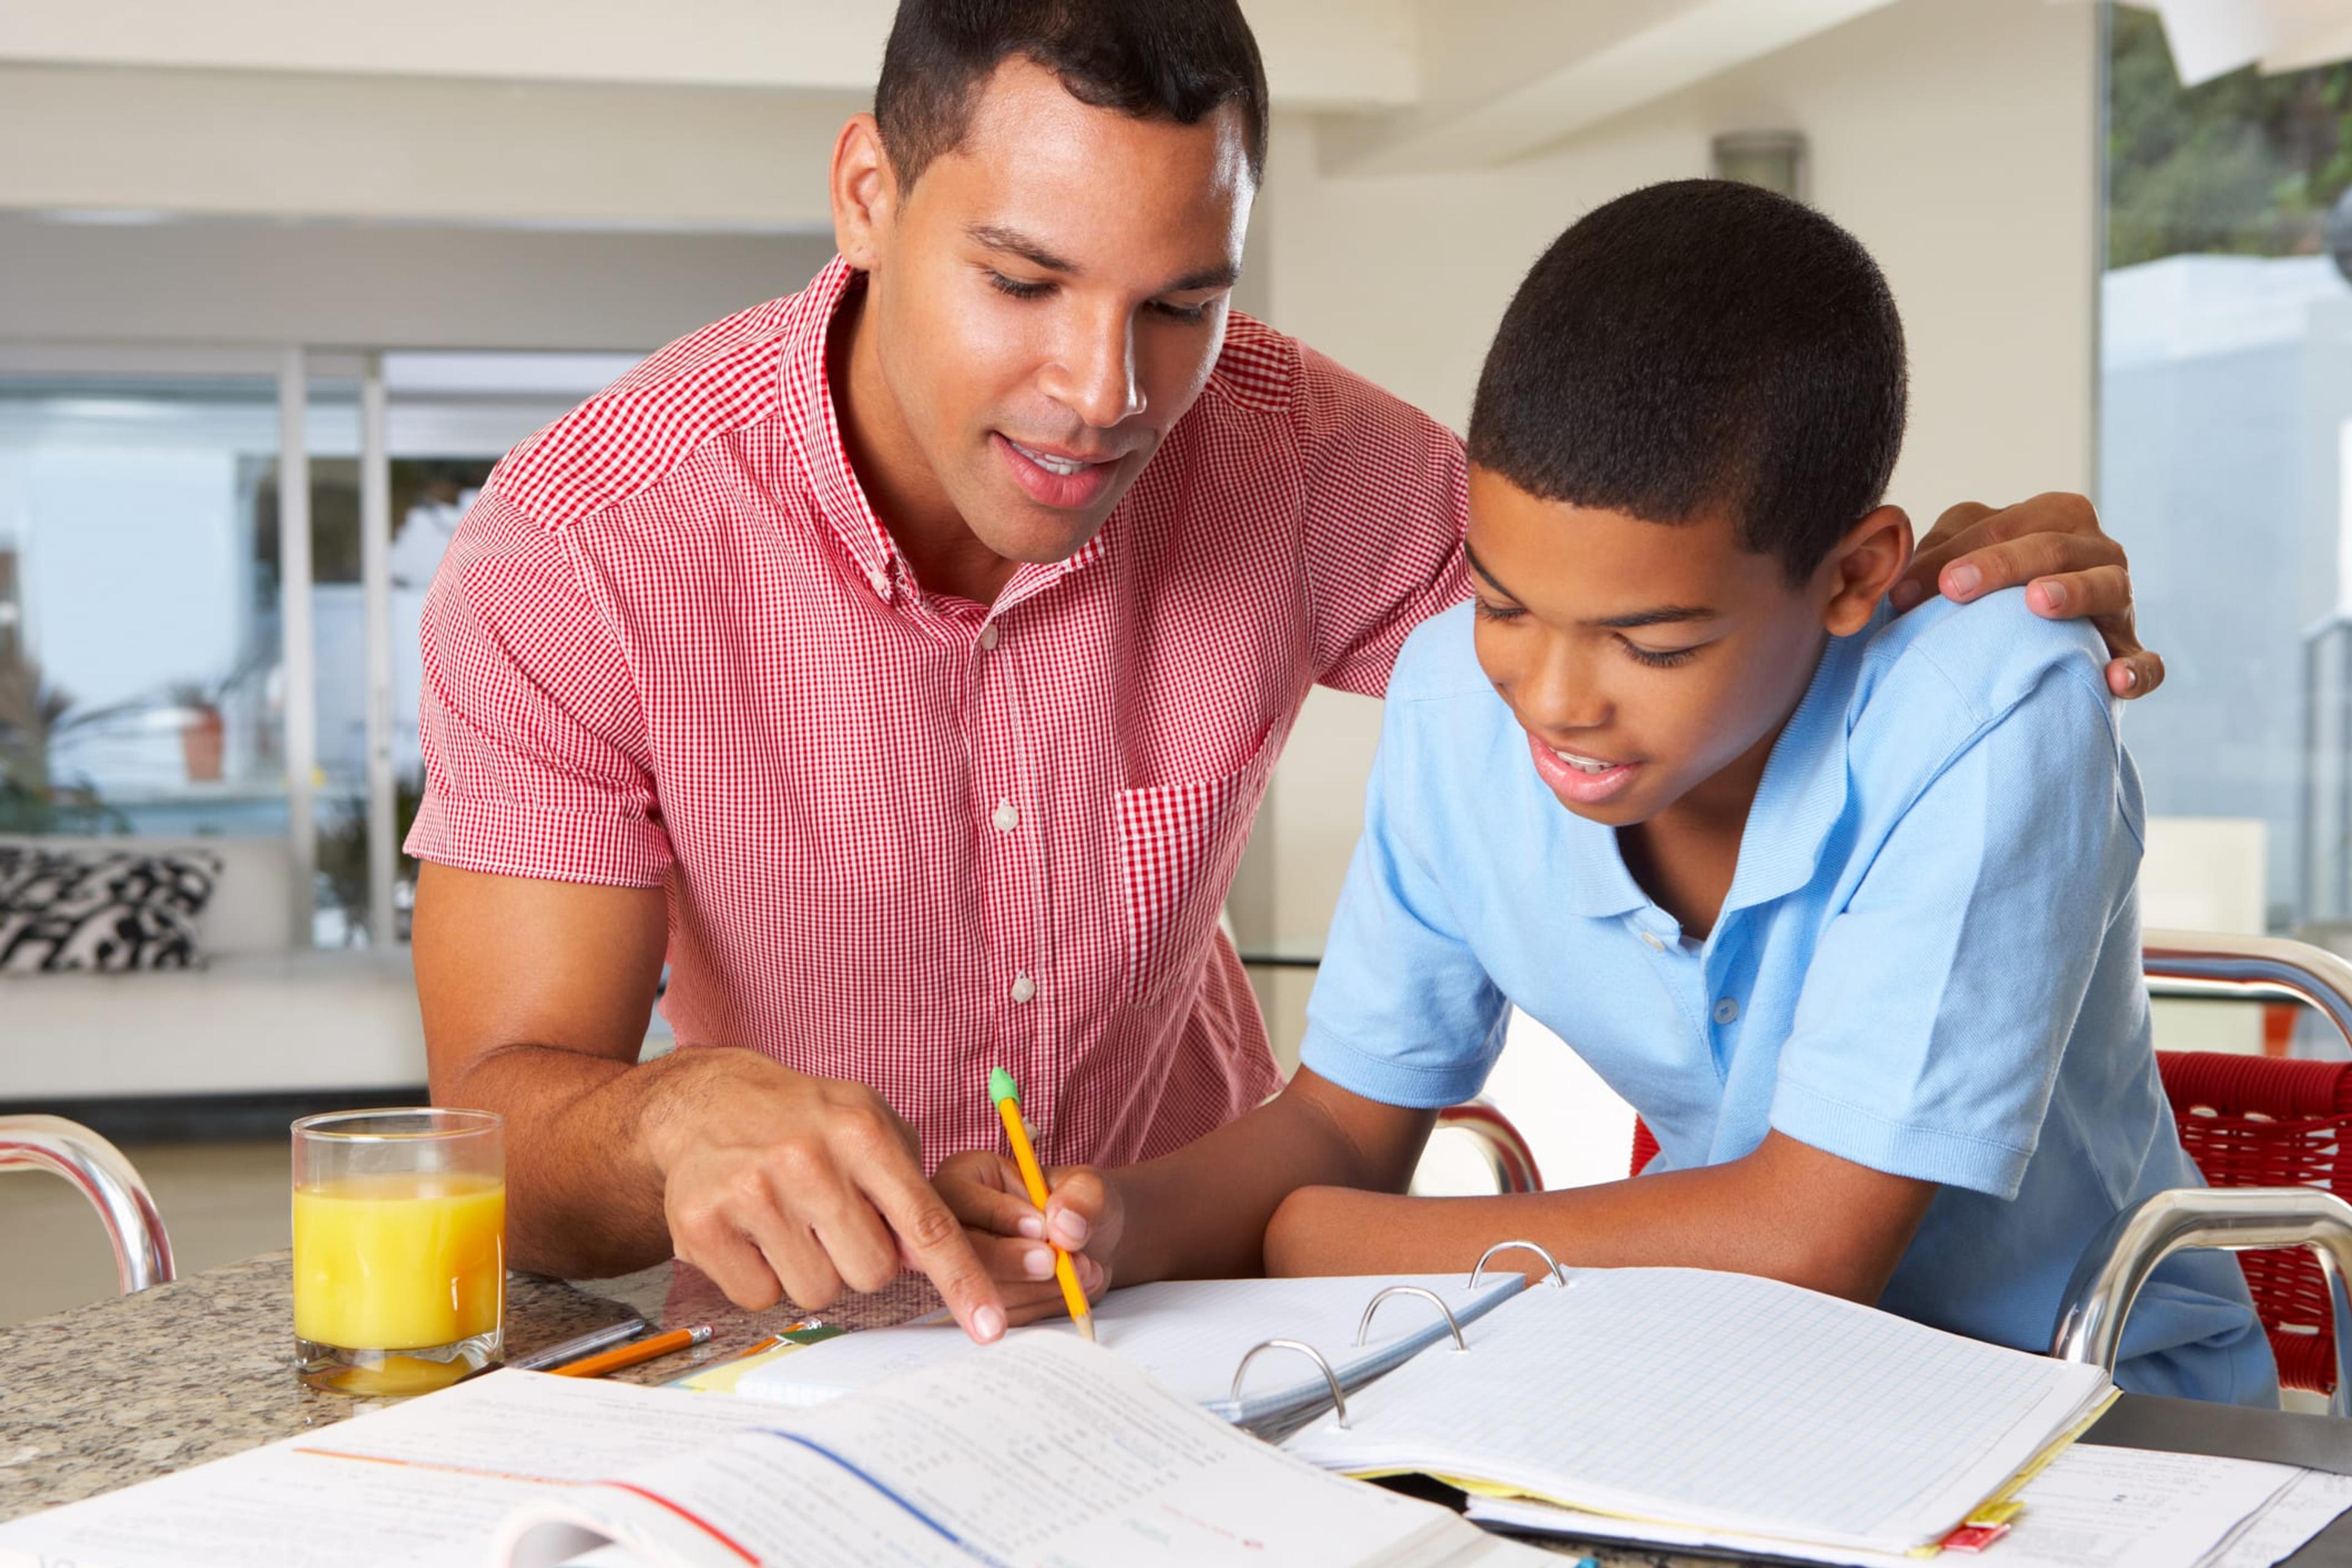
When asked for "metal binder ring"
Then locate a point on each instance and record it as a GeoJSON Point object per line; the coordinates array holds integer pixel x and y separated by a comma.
{"type": "Point", "coordinates": [1559, 1275]}
{"type": "Point", "coordinates": [1365, 1328]}
{"type": "Point", "coordinates": [1338, 1400]}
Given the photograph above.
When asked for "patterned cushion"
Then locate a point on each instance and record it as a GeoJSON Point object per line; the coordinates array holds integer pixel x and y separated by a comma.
{"type": "Point", "coordinates": [116, 911]}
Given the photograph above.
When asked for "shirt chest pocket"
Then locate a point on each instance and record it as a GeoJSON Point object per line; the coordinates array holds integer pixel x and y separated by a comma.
{"type": "Point", "coordinates": [1177, 846]}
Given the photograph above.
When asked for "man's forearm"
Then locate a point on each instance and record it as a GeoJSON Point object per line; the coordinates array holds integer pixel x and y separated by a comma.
{"type": "Point", "coordinates": [1203, 1211]}
{"type": "Point", "coordinates": [583, 1193]}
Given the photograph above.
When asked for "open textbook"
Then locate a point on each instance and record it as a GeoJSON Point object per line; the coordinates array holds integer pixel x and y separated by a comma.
{"type": "Point", "coordinates": [1190, 1334]}
{"type": "Point", "coordinates": [1043, 1454]}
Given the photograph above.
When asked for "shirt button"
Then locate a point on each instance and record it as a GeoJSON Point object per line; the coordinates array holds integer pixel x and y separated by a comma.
{"type": "Point", "coordinates": [988, 637]}
{"type": "Point", "coordinates": [1006, 817]}
{"type": "Point", "coordinates": [1725, 1011]}
{"type": "Point", "coordinates": [881, 581]}
{"type": "Point", "coordinates": [1023, 988]}
{"type": "Point", "coordinates": [1656, 945]}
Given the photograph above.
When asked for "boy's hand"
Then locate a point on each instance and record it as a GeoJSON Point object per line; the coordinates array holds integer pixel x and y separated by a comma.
{"type": "Point", "coordinates": [1083, 1213]}
{"type": "Point", "coordinates": [2051, 543]}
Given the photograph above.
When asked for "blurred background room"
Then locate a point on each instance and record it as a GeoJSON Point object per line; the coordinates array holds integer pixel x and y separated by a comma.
{"type": "Point", "coordinates": [280, 281]}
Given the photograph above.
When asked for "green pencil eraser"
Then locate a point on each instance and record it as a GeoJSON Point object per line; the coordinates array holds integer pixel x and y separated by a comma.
{"type": "Point", "coordinates": [1000, 1086]}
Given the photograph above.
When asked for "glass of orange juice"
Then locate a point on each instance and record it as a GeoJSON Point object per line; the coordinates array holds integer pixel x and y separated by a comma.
{"type": "Point", "coordinates": [399, 1248]}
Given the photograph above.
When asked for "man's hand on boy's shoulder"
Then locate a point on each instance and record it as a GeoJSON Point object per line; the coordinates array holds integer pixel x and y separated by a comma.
{"type": "Point", "coordinates": [2052, 545]}
{"type": "Point", "coordinates": [1084, 1214]}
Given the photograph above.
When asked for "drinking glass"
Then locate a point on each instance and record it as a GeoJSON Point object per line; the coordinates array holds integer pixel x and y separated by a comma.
{"type": "Point", "coordinates": [399, 1248]}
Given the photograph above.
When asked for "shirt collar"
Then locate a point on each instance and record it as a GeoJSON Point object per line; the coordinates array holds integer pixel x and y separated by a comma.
{"type": "Point", "coordinates": [1797, 803]}
{"type": "Point", "coordinates": [1803, 791]}
{"type": "Point", "coordinates": [815, 426]}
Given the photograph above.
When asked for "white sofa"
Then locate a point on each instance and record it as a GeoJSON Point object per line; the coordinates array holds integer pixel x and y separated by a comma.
{"type": "Point", "coordinates": [266, 1015]}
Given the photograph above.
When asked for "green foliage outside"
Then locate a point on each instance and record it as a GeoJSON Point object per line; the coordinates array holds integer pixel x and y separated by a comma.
{"type": "Point", "coordinates": [2243, 165]}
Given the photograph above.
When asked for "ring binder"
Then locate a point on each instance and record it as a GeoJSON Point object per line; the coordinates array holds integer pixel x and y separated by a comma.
{"type": "Point", "coordinates": [1559, 1275]}
{"type": "Point", "coordinates": [1364, 1329]}
{"type": "Point", "coordinates": [1338, 1400]}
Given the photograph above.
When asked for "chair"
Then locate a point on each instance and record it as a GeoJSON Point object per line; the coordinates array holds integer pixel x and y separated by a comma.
{"type": "Point", "coordinates": [1506, 1151]}
{"type": "Point", "coordinates": [2268, 1131]}
{"type": "Point", "coordinates": [143, 1249]}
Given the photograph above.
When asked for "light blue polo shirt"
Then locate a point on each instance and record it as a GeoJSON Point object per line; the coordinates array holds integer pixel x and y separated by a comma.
{"type": "Point", "coordinates": [1929, 961]}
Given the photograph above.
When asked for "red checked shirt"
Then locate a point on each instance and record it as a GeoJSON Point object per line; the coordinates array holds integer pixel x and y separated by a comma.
{"type": "Point", "coordinates": [907, 836]}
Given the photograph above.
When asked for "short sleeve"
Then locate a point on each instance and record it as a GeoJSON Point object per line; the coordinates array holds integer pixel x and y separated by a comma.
{"type": "Point", "coordinates": [1402, 1011]}
{"type": "Point", "coordinates": [1386, 492]}
{"type": "Point", "coordinates": [536, 761]}
{"type": "Point", "coordinates": [1940, 1000]}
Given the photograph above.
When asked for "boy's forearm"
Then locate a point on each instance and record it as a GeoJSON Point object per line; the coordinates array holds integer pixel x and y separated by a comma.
{"type": "Point", "coordinates": [1201, 1211]}
{"type": "Point", "coordinates": [1786, 1212]}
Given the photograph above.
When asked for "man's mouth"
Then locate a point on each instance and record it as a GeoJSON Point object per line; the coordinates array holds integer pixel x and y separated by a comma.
{"type": "Point", "coordinates": [1061, 479]}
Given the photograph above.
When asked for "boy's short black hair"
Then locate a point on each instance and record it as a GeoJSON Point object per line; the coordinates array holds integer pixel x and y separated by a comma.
{"type": "Point", "coordinates": [1695, 347]}
{"type": "Point", "coordinates": [1155, 59]}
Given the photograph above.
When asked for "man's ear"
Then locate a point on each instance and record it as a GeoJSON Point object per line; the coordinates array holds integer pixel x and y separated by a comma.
{"type": "Point", "coordinates": [1863, 567]}
{"type": "Point", "coordinates": [865, 193]}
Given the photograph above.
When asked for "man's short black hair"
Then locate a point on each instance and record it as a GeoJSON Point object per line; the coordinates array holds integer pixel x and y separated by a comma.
{"type": "Point", "coordinates": [1701, 347]}
{"type": "Point", "coordinates": [1156, 60]}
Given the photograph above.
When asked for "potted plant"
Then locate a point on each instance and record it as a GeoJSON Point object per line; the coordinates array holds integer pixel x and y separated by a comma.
{"type": "Point", "coordinates": [204, 735]}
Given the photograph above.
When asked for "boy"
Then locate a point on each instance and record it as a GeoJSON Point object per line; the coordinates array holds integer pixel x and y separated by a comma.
{"type": "Point", "coordinates": [1842, 905]}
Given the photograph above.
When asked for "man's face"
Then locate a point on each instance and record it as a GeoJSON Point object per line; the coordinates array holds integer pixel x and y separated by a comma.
{"type": "Point", "coordinates": [1642, 658]}
{"type": "Point", "coordinates": [1048, 301]}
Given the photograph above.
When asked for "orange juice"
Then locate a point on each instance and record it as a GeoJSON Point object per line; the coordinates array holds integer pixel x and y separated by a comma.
{"type": "Point", "coordinates": [402, 1261]}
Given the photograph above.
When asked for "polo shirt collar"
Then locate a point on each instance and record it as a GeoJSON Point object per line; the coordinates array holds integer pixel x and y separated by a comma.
{"type": "Point", "coordinates": [815, 426]}
{"type": "Point", "coordinates": [1803, 791]}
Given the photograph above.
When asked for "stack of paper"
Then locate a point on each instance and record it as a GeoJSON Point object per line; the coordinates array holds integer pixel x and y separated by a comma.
{"type": "Point", "coordinates": [2093, 1508]}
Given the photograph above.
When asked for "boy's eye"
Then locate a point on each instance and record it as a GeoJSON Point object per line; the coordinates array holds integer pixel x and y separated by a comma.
{"type": "Point", "coordinates": [1660, 658]}
{"type": "Point", "coordinates": [1020, 289]}
{"type": "Point", "coordinates": [1487, 612]}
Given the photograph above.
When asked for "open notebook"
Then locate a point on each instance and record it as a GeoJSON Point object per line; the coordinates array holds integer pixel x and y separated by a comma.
{"type": "Point", "coordinates": [1190, 1334]}
{"type": "Point", "coordinates": [1049, 1453]}
{"type": "Point", "coordinates": [1718, 1401]}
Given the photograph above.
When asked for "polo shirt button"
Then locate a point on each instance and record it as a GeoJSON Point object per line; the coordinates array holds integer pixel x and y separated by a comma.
{"type": "Point", "coordinates": [988, 637]}
{"type": "Point", "coordinates": [881, 581]}
{"type": "Point", "coordinates": [1651, 938]}
{"type": "Point", "coordinates": [1023, 988]}
{"type": "Point", "coordinates": [1006, 817]}
{"type": "Point", "coordinates": [1725, 1011]}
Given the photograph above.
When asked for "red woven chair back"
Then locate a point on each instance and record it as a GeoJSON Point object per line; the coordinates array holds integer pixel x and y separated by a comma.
{"type": "Point", "coordinates": [2252, 1122]}
{"type": "Point", "coordinates": [2265, 1122]}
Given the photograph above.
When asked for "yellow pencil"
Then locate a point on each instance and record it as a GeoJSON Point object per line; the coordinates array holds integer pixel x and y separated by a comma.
{"type": "Point", "coordinates": [630, 1355]}
{"type": "Point", "coordinates": [1007, 1096]}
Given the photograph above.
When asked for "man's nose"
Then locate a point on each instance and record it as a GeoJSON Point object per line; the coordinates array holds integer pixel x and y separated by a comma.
{"type": "Point", "coordinates": [1094, 375]}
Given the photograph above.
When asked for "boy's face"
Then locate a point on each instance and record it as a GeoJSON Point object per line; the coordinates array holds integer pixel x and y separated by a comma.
{"type": "Point", "coordinates": [1645, 660]}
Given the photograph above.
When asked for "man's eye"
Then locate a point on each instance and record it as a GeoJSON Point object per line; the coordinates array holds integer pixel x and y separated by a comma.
{"type": "Point", "coordinates": [1487, 612]}
{"type": "Point", "coordinates": [1661, 659]}
{"type": "Point", "coordinates": [1192, 315]}
{"type": "Point", "coordinates": [1020, 289]}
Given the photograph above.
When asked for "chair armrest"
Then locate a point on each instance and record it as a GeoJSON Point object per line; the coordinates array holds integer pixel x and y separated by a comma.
{"type": "Point", "coordinates": [2221, 963]}
{"type": "Point", "coordinates": [2118, 1262]}
{"type": "Point", "coordinates": [1506, 1149]}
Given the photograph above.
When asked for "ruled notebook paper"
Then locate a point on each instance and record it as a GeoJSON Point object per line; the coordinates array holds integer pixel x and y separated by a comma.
{"type": "Point", "coordinates": [1188, 1334]}
{"type": "Point", "coordinates": [1711, 1399]}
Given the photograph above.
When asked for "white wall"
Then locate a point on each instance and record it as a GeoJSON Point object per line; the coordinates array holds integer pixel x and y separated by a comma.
{"type": "Point", "coordinates": [1954, 136]}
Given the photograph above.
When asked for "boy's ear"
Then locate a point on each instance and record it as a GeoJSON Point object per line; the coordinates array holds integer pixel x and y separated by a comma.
{"type": "Point", "coordinates": [1863, 567]}
{"type": "Point", "coordinates": [864, 189]}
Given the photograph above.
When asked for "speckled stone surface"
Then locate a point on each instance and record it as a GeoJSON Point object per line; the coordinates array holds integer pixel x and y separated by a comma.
{"type": "Point", "coordinates": [134, 1388]}
{"type": "Point", "coordinates": [140, 1386]}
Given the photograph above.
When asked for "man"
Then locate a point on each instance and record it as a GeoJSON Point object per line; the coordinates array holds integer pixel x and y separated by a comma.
{"type": "Point", "coordinates": [904, 661]}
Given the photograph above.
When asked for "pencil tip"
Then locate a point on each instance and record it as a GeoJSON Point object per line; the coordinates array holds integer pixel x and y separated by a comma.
{"type": "Point", "coordinates": [1087, 1327]}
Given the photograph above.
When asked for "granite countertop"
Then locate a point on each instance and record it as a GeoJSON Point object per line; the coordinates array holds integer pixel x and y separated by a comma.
{"type": "Point", "coordinates": [137, 1387]}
